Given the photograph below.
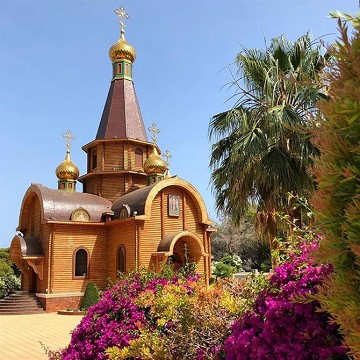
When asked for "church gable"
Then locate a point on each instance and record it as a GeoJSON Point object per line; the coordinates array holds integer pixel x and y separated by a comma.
{"type": "Point", "coordinates": [30, 215]}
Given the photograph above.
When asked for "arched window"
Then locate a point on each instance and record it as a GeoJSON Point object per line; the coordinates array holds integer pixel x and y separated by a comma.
{"type": "Point", "coordinates": [93, 159]}
{"type": "Point", "coordinates": [81, 263]}
{"type": "Point", "coordinates": [121, 259]}
{"type": "Point", "coordinates": [138, 157]}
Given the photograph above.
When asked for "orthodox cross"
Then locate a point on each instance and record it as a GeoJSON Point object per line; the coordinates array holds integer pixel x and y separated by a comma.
{"type": "Point", "coordinates": [120, 12]}
{"type": "Point", "coordinates": [153, 128]}
{"type": "Point", "coordinates": [167, 155]}
{"type": "Point", "coordinates": [69, 137]}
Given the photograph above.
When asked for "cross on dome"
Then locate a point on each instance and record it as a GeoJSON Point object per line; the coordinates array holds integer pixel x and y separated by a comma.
{"type": "Point", "coordinates": [69, 137]}
{"type": "Point", "coordinates": [167, 155]}
{"type": "Point", "coordinates": [120, 12]}
{"type": "Point", "coordinates": [154, 129]}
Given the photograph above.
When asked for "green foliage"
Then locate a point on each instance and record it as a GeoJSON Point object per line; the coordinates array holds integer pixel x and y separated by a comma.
{"type": "Point", "coordinates": [8, 284]}
{"type": "Point", "coordinates": [241, 240]}
{"type": "Point", "coordinates": [223, 270]}
{"type": "Point", "coordinates": [263, 149]}
{"type": "Point", "coordinates": [337, 203]}
{"type": "Point", "coordinates": [91, 296]}
{"type": "Point", "coordinates": [186, 321]}
{"type": "Point", "coordinates": [6, 265]}
{"type": "Point", "coordinates": [227, 266]}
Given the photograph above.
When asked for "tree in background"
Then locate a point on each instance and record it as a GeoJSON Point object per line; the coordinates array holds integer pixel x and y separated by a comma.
{"type": "Point", "coordinates": [337, 203]}
{"type": "Point", "coordinates": [6, 265]}
{"type": "Point", "coordinates": [241, 240]}
{"type": "Point", "coordinates": [9, 274]}
{"type": "Point", "coordinates": [263, 148]}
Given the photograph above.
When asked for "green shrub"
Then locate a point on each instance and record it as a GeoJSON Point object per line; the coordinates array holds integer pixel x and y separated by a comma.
{"type": "Point", "coordinates": [8, 284]}
{"type": "Point", "coordinates": [91, 296]}
{"type": "Point", "coordinates": [337, 203]}
{"type": "Point", "coordinates": [222, 270]}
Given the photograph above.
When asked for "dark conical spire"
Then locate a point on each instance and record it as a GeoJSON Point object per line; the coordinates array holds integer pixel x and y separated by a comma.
{"type": "Point", "coordinates": [121, 118]}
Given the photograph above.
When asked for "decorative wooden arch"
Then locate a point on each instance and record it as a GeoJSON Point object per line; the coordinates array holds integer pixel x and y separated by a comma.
{"type": "Point", "coordinates": [200, 204]}
{"type": "Point", "coordinates": [167, 245]}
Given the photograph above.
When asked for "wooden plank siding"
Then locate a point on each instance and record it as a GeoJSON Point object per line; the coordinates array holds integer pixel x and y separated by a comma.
{"type": "Point", "coordinates": [93, 185]}
{"type": "Point", "coordinates": [68, 238]}
{"type": "Point", "coordinates": [113, 187]}
{"type": "Point", "coordinates": [124, 233]}
{"type": "Point", "coordinates": [42, 285]}
{"type": "Point", "coordinates": [161, 224]}
{"type": "Point", "coordinates": [150, 233]}
{"type": "Point", "coordinates": [113, 156]}
{"type": "Point", "coordinates": [192, 217]}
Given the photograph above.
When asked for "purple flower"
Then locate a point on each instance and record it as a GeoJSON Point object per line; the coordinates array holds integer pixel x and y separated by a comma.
{"type": "Point", "coordinates": [278, 327]}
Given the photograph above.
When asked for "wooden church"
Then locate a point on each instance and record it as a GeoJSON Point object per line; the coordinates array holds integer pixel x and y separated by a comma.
{"type": "Point", "coordinates": [131, 212]}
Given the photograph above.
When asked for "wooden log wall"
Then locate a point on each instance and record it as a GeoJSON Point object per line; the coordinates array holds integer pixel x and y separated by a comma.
{"type": "Point", "coordinates": [152, 232]}
{"type": "Point", "coordinates": [113, 156]}
{"type": "Point", "coordinates": [112, 187]}
{"type": "Point", "coordinates": [123, 233]}
{"type": "Point", "coordinates": [68, 238]}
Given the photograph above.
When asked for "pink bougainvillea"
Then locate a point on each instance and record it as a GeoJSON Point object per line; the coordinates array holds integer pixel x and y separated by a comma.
{"type": "Point", "coordinates": [279, 328]}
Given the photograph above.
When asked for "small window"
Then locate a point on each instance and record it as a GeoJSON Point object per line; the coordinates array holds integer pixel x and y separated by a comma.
{"type": "Point", "coordinates": [121, 259]}
{"type": "Point", "coordinates": [81, 263]}
{"type": "Point", "coordinates": [94, 159]}
{"type": "Point", "coordinates": [138, 157]}
{"type": "Point", "coordinates": [119, 68]}
{"type": "Point", "coordinates": [127, 69]}
{"type": "Point", "coordinates": [124, 211]}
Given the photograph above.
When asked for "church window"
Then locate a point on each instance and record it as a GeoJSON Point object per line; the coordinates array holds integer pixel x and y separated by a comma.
{"type": "Point", "coordinates": [119, 68]}
{"type": "Point", "coordinates": [94, 159]}
{"type": "Point", "coordinates": [63, 185]}
{"type": "Point", "coordinates": [81, 263]}
{"type": "Point", "coordinates": [121, 259]}
{"type": "Point", "coordinates": [124, 212]}
{"type": "Point", "coordinates": [127, 69]}
{"type": "Point", "coordinates": [138, 157]}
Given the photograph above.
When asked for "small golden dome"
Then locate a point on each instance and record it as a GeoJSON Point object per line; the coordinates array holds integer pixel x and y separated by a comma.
{"type": "Point", "coordinates": [122, 50]}
{"type": "Point", "coordinates": [155, 164]}
{"type": "Point", "coordinates": [67, 170]}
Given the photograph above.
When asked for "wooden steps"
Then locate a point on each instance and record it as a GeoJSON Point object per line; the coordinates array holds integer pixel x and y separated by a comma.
{"type": "Point", "coordinates": [20, 303]}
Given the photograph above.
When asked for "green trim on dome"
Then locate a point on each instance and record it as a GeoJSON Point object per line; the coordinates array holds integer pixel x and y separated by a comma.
{"type": "Point", "coordinates": [122, 69]}
{"type": "Point", "coordinates": [67, 185]}
{"type": "Point", "coordinates": [154, 178]}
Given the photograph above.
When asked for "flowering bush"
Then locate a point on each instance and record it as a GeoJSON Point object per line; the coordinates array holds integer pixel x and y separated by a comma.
{"type": "Point", "coordinates": [114, 320]}
{"type": "Point", "coordinates": [186, 321]}
{"type": "Point", "coordinates": [279, 327]}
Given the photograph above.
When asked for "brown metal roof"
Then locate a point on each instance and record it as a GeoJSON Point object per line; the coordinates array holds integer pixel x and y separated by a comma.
{"type": "Point", "coordinates": [135, 200]}
{"type": "Point", "coordinates": [60, 204]}
{"type": "Point", "coordinates": [121, 117]}
{"type": "Point", "coordinates": [30, 246]}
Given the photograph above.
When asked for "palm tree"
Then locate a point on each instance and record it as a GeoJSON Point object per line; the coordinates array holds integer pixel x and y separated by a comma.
{"type": "Point", "coordinates": [263, 149]}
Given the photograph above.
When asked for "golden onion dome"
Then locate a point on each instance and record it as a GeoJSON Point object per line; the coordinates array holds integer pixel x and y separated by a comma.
{"type": "Point", "coordinates": [155, 164]}
{"type": "Point", "coordinates": [122, 50]}
{"type": "Point", "coordinates": [67, 170]}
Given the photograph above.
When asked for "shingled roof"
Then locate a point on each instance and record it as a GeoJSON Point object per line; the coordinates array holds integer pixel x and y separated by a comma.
{"type": "Point", "coordinates": [135, 200]}
{"type": "Point", "coordinates": [59, 204]}
{"type": "Point", "coordinates": [121, 117]}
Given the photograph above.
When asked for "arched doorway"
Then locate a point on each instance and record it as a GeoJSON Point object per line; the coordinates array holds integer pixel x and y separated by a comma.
{"type": "Point", "coordinates": [179, 249]}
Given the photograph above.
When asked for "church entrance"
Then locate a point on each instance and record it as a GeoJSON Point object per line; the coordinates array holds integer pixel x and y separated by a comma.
{"type": "Point", "coordinates": [32, 277]}
{"type": "Point", "coordinates": [180, 249]}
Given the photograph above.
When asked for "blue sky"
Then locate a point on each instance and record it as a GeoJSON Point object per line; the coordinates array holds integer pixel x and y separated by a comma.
{"type": "Point", "coordinates": [55, 74]}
